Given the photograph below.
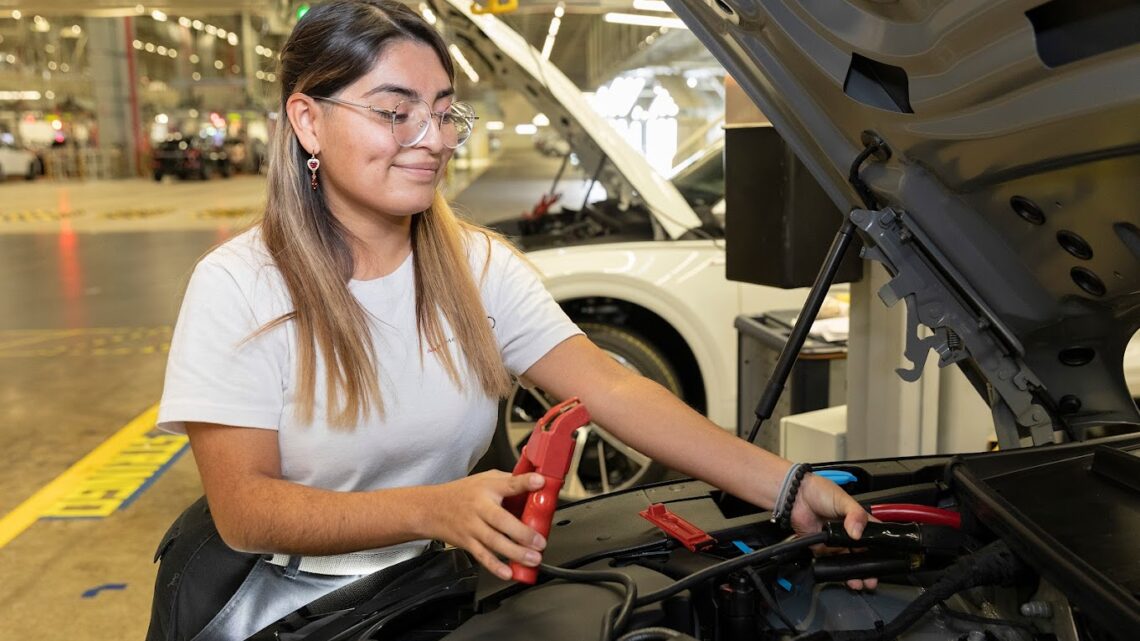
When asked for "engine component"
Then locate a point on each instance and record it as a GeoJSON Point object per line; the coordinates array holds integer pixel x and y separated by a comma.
{"type": "Point", "coordinates": [994, 564]}
{"type": "Point", "coordinates": [913, 537]}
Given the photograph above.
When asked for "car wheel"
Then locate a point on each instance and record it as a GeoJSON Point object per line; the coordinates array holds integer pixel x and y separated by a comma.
{"type": "Point", "coordinates": [600, 462]}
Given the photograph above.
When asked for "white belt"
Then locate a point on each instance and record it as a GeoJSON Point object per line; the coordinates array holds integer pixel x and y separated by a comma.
{"type": "Point", "coordinates": [354, 563]}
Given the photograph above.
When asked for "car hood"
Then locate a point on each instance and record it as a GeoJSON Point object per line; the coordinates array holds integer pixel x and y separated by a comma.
{"type": "Point", "coordinates": [1012, 184]}
{"type": "Point", "coordinates": [519, 66]}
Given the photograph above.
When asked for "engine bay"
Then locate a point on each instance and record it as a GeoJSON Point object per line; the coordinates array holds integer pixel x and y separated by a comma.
{"type": "Point", "coordinates": [969, 548]}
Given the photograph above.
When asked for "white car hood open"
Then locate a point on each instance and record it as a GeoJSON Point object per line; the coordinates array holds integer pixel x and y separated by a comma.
{"type": "Point", "coordinates": [519, 65]}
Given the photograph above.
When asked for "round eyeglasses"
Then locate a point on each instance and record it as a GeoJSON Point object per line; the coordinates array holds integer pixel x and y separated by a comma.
{"type": "Point", "coordinates": [410, 120]}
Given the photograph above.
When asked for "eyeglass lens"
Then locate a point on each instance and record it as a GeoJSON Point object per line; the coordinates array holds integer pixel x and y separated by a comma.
{"type": "Point", "coordinates": [411, 119]}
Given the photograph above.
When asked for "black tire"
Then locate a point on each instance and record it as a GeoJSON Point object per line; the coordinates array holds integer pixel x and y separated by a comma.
{"type": "Point", "coordinates": [623, 467]}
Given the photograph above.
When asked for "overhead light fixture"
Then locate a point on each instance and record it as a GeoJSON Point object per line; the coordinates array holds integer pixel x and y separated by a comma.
{"type": "Point", "coordinates": [644, 21]}
{"type": "Point", "coordinates": [495, 125]}
{"type": "Point", "coordinates": [158, 15]}
{"type": "Point", "coordinates": [552, 33]}
{"type": "Point", "coordinates": [526, 130]}
{"type": "Point", "coordinates": [19, 95]}
{"type": "Point", "coordinates": [463, 64]}
{"type": "Point", "coordinates": [651, 5]}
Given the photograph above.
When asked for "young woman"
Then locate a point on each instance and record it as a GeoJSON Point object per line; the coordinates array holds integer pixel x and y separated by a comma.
{"type": "Point", "coordinates": [338, 367]}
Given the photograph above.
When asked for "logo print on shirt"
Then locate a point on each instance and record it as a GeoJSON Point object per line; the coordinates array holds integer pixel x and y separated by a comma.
{"type": "Point", "coordinates": [451, 339]}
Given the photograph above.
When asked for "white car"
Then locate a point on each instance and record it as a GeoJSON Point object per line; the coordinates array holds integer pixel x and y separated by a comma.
{"type": "Point", "coordinates": [640, 271]}
{"type": "Point", "coordinates": [17, 162]}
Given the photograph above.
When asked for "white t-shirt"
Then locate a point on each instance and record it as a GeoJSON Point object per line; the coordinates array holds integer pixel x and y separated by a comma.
{"type": "Point", "coordinates": [432, 431]}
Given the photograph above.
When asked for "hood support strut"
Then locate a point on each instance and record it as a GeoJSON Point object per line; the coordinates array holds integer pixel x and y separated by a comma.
{"type": "Point", "coordinates": [873, 147]}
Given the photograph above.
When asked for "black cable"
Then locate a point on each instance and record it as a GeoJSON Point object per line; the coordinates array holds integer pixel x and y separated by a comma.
{"type": "Point", "coordinates": [974, 618]}
{"type": "Point", "coordinates": [655, 634]}
{"type": "Point", "coordinates": [610, 623]}
{"type": "Point", "coordinates": [773, 605]}
{"type": "Point", "coordinates": [994, 564]}
{"type": "Point", "coordinates": [865, 194]}
{"type": "Point", "coordinates": [725, 567]}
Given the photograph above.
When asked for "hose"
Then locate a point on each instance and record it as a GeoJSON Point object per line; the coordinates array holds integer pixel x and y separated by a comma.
{"type": "Point", "coordinates": [909, 512]}
{"type": "Point", "coordinates": [994, 564]}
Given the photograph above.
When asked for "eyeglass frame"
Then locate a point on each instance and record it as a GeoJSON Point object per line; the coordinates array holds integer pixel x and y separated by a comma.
{"type": "Point", "coordinates": [436, 117]}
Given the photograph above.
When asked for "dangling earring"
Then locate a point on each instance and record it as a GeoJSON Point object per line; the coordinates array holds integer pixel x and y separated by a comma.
{"type": "Point", "coordinates": [313, 164]}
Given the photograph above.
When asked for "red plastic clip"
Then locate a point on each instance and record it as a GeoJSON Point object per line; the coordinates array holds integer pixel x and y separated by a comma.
{"type": "Point", "coordinates": [548, 452]}
{"type": "Point", "coordinates": [688, 534]}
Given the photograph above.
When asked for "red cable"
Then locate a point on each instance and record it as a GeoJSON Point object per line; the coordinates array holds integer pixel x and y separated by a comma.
{"type": "Point", "coordinates": [909, 512]}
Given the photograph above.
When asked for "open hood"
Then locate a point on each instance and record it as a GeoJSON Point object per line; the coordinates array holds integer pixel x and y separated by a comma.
{"type": "Point", "coordinates": [1009, 205]}
{"type": "Point", "coordinates": [514, 62]}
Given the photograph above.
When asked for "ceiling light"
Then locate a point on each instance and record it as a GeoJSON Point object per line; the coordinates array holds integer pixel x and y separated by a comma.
{"type": "Point", "coordinates": [651, 5]}
{"type": "Point", "coordinates": [158, 15]}
{"type": "Point", "coordinates": [19, 95]}
{"type": "Point", "coordinates": [644, 21]}
{"type": "Point", "coordinates": [526, 130]}
{"type": "Point", "coordinates": [495, 125]}
{"type": "Point", "coordinates": [463, 64]}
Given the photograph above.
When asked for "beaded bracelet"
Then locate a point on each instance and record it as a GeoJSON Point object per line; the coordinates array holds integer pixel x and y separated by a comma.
{"type": "Point", "coordinates": [786, 498]}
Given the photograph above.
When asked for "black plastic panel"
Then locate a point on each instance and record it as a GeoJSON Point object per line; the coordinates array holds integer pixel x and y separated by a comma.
{"type": "Point", "coordinates": [560, 611]}
{"type": "Point", "coordinates": [1076, 527]}
{"type": "Point", "coordinates": [1072, 30]}
{"type": "Point", "coordinates": [779, 222]}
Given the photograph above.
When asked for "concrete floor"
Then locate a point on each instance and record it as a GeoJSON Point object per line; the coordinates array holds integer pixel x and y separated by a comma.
{"type": "Point", "coordinates": [90, 281]}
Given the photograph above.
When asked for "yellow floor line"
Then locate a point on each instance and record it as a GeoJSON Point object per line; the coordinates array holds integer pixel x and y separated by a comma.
{"type": "Point", "coordinates": [28, 512]}
{"type": "Point", "coordinates": [45, 336]}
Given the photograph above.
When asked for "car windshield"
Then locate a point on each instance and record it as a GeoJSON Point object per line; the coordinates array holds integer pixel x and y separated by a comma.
{"type": "Point", "coordinates": [700, 178]}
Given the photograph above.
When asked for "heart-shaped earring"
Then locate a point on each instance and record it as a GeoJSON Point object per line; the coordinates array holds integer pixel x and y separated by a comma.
{"type": "Point", "coordinates": [313, 164]}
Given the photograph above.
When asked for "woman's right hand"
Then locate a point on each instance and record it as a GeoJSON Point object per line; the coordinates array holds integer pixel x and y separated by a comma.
{"type": "Point", "coordinates": [469, 514]}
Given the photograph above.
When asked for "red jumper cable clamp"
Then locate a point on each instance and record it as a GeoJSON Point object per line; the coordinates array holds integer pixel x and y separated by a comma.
{"type": "Point", "coordinates": [547, 452]}
{"type": "Point", "coordinates": [688, 534]}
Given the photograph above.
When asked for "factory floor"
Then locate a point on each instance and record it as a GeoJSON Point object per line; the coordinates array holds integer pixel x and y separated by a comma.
{"type": "Point", "coordinates": [91, 275]}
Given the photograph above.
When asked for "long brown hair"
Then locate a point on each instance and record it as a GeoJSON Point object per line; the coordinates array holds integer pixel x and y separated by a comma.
{"type": "Point", "coordinates": [332, 46]}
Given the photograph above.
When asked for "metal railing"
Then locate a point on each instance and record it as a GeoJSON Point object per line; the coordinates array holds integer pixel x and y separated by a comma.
{"type": "Point", "coordinates": [84, 163]}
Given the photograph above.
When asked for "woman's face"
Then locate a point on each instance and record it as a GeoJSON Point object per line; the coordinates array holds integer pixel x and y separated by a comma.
{"type": "Point", "coordinates": [364, 171]}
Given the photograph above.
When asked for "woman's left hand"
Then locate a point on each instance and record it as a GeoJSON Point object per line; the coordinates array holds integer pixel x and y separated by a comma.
{"type": "Point", "coordinates": [821, 500]}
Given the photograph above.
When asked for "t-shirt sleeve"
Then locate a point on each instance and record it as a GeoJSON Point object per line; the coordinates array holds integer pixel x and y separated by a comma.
{"type": "Point", "coordinates": [527, 321]}
{"type": "Point", "coordinates": [217, 370]}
